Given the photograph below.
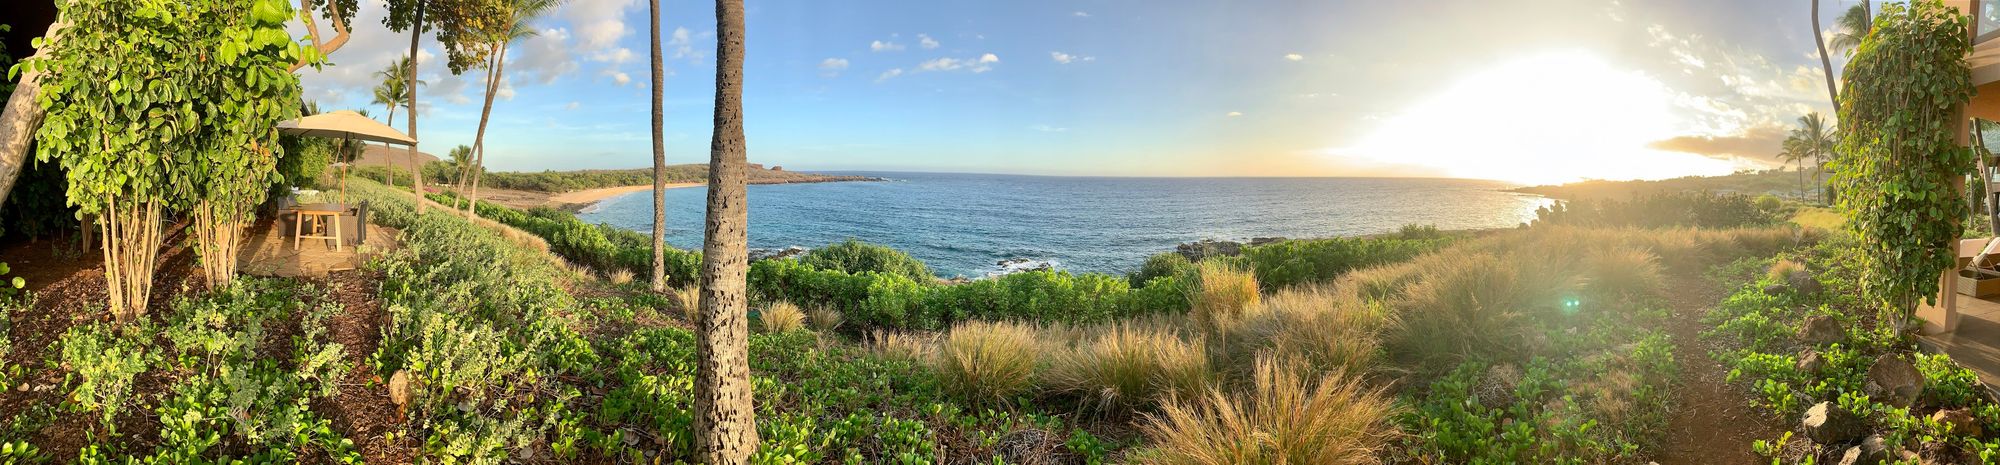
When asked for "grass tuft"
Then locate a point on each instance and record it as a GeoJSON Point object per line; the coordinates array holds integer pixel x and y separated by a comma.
{"type": "Point", "coordinates": [1128, 367]}
{"type": "Point", "coordinates": [689, 299]}
{"type": "Point", "coordinates": [1223, 293]}
{"type": "Point", "coordinates": [1623, 271]}
{"type": "Point", "coordinates": [782, 317]}
{"type": "Point", "coordinates": [1284, 419]}
{"type": "Point", "coordinates": [825, 319]}
{"type": "Point", "coordinates": [988, 363]}
{"type": "Point", "coordinates": [620, 276]}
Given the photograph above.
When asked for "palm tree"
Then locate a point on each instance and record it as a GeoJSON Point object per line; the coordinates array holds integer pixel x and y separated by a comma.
{"type": "Point", "coordinates": [1796, 149]}
{"type": "Point", "coordinates": [1853, 26]}
{"type": "Point", "coordinates": [724, 423]}
{"type": "Point", "coordinates": [513, 17]}
{"type": "Point", "coordinates": [394, 90]}
{"type": "Point", "coordinates": [1825, 63]}
{"type": "Point", "coordinates": [1818, 141]}
{"type": "Point", "coordinates": [659, 160]}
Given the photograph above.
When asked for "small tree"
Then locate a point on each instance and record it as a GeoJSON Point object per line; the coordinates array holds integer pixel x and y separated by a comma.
{"type": "Point", "coordinates": [247, 89]}
{"type": "Point", "coordinates": [1899, 154]}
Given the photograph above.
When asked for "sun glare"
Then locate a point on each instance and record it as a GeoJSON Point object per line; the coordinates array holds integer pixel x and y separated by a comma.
{"type": "Point", "coordinates": [1549, 118]}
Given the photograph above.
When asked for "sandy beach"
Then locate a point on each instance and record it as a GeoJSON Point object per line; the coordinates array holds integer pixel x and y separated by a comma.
{"type": "Point", "coordinates": [572, 201]}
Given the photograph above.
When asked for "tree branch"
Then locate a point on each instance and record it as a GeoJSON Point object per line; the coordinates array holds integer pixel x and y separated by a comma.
{"type": "Point", "coordinates": [326, 47]}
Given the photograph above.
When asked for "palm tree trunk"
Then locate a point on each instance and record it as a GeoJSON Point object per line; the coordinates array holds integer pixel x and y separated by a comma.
{"type": "Point", "coordinates": [724, 422]}
{"type": "Point", "coordinates": [471, 181]}
{"type": "Point", "coordinates": [1802, 178]}
{"type": "Point", "coordinates": [21, 118]}
{"type": "Point", "coordinates": [416, 166]}
{"type": "Point", "coordinates": [479, 141]}
{"type": "Point", "coordinates": [659, 161]}
{"type": "Point", "coordinates": [1825, 63]}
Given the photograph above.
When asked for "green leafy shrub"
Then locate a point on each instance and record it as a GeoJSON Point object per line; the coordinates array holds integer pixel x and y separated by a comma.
{"type": "Point", "coordinates": [1294, 262]}
{"type": "Point", "coordinates": [1168, 264]}
{"type": "Point", "coordinates": [1659, 210]}
{"type": "Point", "coordinates": [104, 360]}
{"type": "Point", "coordinates": [855, 256]}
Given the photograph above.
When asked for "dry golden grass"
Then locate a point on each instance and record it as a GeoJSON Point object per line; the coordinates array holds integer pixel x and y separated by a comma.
{"type": "Point", "coordinates": [782, 317]}
{"type": "Point", "coordinates": [1128, 367]}
{"type": "Point", "coordinates": [1222, 294]}
{"type": "Point", "coordinates": [620, 276]}
{"type": "Point", "coordinates": [1285, 419]}
{"type": "Point", "coordinates": [988, 363]}
{"type": "Point", "coordinates": [1478, 304]}
{"type": "Point", "coordinates": [1784, 269]}
{"type": "Point", "coordinates": [1623, 271]}
{"type": "Point", "coordinates": [901, 346]}
{"type": "Point", "coordinates": [689, 299]}
{"type": "Point", "coordinates": [1323, 327]}
{"type": "Point", "coordinates": [825, 319]}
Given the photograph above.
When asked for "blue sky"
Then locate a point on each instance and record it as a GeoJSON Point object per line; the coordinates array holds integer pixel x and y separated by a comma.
{"type": "Point", "coordinates": [1148, 88]}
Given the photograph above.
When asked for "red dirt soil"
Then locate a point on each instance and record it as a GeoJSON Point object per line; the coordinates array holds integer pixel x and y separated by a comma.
{"type": "Point", "coordinates": [1712, 421]}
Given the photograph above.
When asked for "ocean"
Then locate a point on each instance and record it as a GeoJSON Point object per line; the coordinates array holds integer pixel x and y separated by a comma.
{"type": "Point", "coordinates": [967, 224]}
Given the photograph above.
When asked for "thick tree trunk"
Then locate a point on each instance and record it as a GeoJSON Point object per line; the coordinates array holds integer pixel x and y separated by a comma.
{"type": "Point", "coordinates": [494, 74]}
{"type": "Point", "coordinates": [1825, 62]}
{"type": "Point", "coordinates": [416, 165]}
{"type": "Point", "coordinates": [20, 120]}
{"type": "Point", "coordinates": [659, 161]}
{"type": "Point", "coordinates": [724, 422]}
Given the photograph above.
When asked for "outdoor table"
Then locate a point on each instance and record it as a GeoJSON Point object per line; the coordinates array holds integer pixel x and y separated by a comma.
{"type": "Point", "coordinates": [321, 215]}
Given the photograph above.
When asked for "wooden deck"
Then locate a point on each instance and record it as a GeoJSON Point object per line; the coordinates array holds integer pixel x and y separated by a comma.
{"type": "Point", "coordinates": [1976, 344]}
{"type": "Point", "coordinates": [268, 250]}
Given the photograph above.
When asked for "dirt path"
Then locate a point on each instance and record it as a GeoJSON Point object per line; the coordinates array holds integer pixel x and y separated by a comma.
{"type": "Point", "coordinates": [1711, 421]}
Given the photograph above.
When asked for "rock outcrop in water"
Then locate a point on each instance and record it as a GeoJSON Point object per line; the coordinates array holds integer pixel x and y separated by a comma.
{"type": "Point", "coordinates": [777, 254]}
{"type": "Point", "coordinates": [1198, 250]}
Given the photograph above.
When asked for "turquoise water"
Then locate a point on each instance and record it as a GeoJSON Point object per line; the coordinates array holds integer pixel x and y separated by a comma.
{"type": "Point", "coordinates": [963, 224]}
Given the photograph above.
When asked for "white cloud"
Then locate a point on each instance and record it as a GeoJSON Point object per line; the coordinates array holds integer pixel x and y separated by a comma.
{"type": "Point", "coordinates": [1065, 58]}
{"type": "Point", "coordinates": [1295, 57]}
{"type": "Point", "coordinates": [681, 45]}
{"type": "Point", "coordinates": [1233, 114]}
{"type": "Point", "coordinates": [544, 57]}
{"type": "Point", "coordinates": [925, 41]}
{"type": "Point", "coordinates": [890, 74]}
{"type": "Point", "coordinates": [880, 46]}
{"type": "Point", "coordinates": [621, 78]}
{"type": "Point", "coordinates": [601, 23]}
{"type": "Point", "coordinates": [977, 65]}
{"type": "Point", "coordinates": [832, 66]}
{"type": "Point", "coordinates": [1080, 14]}
{"type": "Point", "coordinates": [573, 105]}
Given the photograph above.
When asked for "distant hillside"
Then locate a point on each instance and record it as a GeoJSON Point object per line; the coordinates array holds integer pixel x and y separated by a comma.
{"type": "Point", "coordinates": [1778, 183]}
{"type": "Point", "coordinates": [565, 181]}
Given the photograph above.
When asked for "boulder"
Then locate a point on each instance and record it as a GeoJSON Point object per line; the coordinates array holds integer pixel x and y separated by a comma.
{"type": "Point", "coordinates": [1774, 288]}
{"type": "Point", "coordinates": [1960, 420]}
{"type": "Point", "coordinates": [1894, 381]}
{"type": "Point", "coordinates": [1873, 449]}
{"type": "Point", "coordinates": [1820, 330]}
{"type": "Point", "coordinates": [1826, 423]}
{"type": "Point", "coordinates": [1257, 241]}
{"type": "Point", "coordinates": [399, 391]}
{"type": "Point", "coordinates": [1810, 362]}
{"type": "Point", "coordinates": [1802, 282]}
{"type": "Point", "coordinates": [777, 254]}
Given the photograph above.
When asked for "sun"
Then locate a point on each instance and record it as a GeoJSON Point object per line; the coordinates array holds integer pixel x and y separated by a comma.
{"type": "Point", "coordinates": [1547, 118]}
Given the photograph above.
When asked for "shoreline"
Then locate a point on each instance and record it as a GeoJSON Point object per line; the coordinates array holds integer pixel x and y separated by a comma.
{"type": "Point", "coordinates": [574, 201]}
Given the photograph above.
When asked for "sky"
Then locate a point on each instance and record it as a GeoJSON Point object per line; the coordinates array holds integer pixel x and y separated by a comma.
{"type": "Point", "coordinates": [1528, 91]}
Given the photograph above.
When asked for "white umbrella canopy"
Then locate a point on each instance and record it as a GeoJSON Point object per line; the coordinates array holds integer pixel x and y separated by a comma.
{"type": "Point", "coordinates": [345, 124]}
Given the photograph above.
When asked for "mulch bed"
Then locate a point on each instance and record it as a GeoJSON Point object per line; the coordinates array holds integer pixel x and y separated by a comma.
{"type": "Point", "coordinates": [69, 287]}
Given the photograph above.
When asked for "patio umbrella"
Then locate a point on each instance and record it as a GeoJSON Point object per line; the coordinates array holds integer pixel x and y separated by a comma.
{"type": "Point", "coordinates": [345, 125]}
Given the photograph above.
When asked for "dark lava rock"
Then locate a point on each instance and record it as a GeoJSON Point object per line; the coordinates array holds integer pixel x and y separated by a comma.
{"type": "Point", "coordinates": [1826, 423]}
{"type": "Point", "coordinates": [1200, 250]}
{"type": "Point", "coordinates": [1893, 380]}
{"type": "Point", "coordinates": [1820, 330]}
{"type": "Point", "coordinates": [777, 254]}
{"type": "Point", "coordinates": [1802, 282]}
